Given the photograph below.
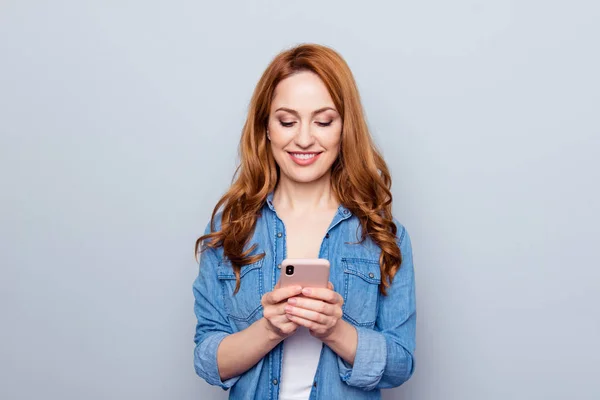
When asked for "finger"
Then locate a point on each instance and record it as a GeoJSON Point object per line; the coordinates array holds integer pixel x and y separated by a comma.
{"type": "Point", "coordinates": [311, 304]}
{"type": "Point", "coordinates": [312, 325]}
{"type": "Point", "coordinates": [324, 294]}
{"type": "Point", "coordinates": [330, 285]}
{"type": "Point", "coordinates": [279, 321]}
{"type": "Point", "coordinates": [308, 314]}
{"type": "Point", "coordinates": [280, 294]}
{"type": "Point", "coordinates": [289, 327]}
{"type": "Point", "coordinates": [274, 309]}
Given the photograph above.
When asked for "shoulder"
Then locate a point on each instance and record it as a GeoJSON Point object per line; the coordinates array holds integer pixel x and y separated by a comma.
{"type": "Point", "coordinates": [354, 228]}
{"type": "Point", "coordinates": [256, 236]}
{"type": "Point", "coordinates": [351, 235]}
{"type": "Point", "coordinates": [405, 245]}
{"type": "Point", "coordinates": [213, 224]}
{"type": "Point", "coordinates": [401, 232]}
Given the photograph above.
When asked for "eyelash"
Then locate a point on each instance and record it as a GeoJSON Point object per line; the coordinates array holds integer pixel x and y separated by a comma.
{"type": "Point", "coordinates": [290, 124]}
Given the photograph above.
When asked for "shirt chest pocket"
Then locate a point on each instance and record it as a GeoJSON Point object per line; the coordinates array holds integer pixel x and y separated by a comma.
{"type": "Point", "coordinates": [243, 306]}
{"type": "Point", "coordinates": [361, 291]}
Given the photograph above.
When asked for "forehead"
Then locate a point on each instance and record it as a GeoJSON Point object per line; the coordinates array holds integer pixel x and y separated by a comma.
{"type": "Point", "coordinates": [303, 91]}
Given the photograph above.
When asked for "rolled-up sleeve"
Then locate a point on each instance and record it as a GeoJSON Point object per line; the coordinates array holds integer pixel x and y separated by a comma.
{"type": "Point", "coordinates": [384, 355]}
{"type": "Point", "coordinates": [213, 325]}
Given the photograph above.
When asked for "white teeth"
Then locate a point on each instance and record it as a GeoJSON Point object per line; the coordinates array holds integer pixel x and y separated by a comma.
{"type": "Point", "coordinates": [303, 156]}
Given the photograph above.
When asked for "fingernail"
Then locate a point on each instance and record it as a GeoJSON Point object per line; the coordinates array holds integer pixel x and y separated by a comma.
{"type": "Point", "coordinates": [292, 300]}
{"type": "Point", "coordinates": [288, 309]}
{"type": "Point", "coordinates": [306, 291]}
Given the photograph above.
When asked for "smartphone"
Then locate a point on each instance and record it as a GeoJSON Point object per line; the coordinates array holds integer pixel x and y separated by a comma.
{"type": "Point", "coordinates": [305, 272]}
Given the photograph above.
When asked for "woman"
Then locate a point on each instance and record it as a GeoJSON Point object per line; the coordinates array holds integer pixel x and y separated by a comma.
{"type": "Point", "coordinates": [310, 185]}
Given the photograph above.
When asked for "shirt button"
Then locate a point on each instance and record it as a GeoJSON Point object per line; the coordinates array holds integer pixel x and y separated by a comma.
{"type": "Point", "coordinates": [279, 234]}
{"type": "Point", "coordinates": [315, 384]}
{"type": "Point", "coordinates": [274, 381]}
{"type": "Point", "coordinates": [279, 266]}
{"type": "Point", "coordinates": [371, 275]}
{"type": "Point", "coordinates": [327, 235]}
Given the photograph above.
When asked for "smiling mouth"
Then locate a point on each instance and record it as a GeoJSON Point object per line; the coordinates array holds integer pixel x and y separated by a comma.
{"type": "Point", "coordinates": [304, 156]}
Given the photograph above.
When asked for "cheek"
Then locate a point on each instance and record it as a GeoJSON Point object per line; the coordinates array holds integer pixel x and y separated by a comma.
{"type": "Point", "coordinates": [331, 141]}
{"type": "Point", "coordinates": [277, 143]}
{"type": "Point", "coordinates": [280, 137]}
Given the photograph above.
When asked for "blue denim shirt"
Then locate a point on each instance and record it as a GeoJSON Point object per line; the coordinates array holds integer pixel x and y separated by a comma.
{"type": "Point", "coordinates": [385, 324]}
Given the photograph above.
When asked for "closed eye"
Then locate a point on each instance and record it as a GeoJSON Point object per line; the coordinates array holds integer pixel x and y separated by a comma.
{"type": "Point", "coordinates": [286, 124]}
{"type": "Point", "coordinates": [324, 123]}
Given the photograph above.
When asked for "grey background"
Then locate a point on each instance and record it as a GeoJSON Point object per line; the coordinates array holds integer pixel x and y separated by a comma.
{"type": "Point", "coordinates": [119, 125]}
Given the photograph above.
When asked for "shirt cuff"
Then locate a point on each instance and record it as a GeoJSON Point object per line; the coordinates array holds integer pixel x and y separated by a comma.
{"type": "Point", "coordinates": [369, 361]}
{"type": "Point", "coordinates": [205, 361]}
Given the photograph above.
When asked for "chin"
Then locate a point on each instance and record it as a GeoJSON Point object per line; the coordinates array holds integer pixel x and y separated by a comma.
{"type": "Point", "coordinates": [306, 177]}
{"type": "Point", "coordinates": [303, 179]}
{"type": "Point", "coordinates": [300, 174]}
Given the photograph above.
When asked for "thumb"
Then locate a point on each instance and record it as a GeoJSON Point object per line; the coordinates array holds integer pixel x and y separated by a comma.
{"type": "Point", "coordinates": [330, 285]}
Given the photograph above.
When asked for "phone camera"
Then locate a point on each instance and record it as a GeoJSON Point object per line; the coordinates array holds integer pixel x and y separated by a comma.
{"type": "Point", "coordinates": [289, 270]}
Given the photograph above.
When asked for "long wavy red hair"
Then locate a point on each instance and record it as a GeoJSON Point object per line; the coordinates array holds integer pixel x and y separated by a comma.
{"type": "Point", "coordinates": [359, 178]}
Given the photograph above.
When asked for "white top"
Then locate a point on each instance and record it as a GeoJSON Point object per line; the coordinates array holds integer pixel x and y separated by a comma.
{"type": "Point", "coordinates": [301, 353]}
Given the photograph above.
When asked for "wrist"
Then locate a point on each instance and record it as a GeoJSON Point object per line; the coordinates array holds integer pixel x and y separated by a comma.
{"type": "Point", "coordinates": [272, 337]}
{"type": "Point", "coordinates": [337, 333]}
{"type": "Point", "coordinates": [343, 341]}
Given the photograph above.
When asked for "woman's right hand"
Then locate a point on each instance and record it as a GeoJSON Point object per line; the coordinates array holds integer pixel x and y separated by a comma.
{"type": "Point", "coordinates": [277, 323]}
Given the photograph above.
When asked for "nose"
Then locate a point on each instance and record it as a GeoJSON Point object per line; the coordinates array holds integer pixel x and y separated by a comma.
{"type": "Point", "coordinates": [304, 137]}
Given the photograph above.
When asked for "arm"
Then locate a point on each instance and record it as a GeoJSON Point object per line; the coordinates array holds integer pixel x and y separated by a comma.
{"type": "Point", "coordinates": [234, 356]}
{"type": "Point", "coordinates": [384, 356]}
{"type": "Point", "coordinates": [212, 326]}
{"type": "Point", "coordinates": [220, 355]}
{"type": "Point", "coordinates": [343, 341]}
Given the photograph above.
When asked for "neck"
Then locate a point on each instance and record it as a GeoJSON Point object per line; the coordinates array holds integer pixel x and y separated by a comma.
{"type": "Point", "coordinates": [301, 197]}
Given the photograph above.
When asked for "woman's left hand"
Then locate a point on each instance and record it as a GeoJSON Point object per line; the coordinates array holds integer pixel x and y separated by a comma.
{"type": "Point", "coordinates": [319, 310]}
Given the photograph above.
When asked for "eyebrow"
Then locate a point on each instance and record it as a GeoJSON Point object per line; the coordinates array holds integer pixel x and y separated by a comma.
{"type": "Point", "coordinates": [320, 110]}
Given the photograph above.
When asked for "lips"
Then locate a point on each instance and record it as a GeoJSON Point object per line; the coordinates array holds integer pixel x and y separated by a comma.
{"type": "Point", "coordinates": [304, 158]}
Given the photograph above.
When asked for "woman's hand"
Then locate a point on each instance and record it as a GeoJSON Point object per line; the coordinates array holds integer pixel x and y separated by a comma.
{"type": "Point", "coordinates": [319, 310]}
{"type": "Point", "coordinates": [277, 324]}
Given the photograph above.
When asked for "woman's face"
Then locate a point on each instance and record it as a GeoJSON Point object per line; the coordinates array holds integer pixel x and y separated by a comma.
{"type": "Point", "coordinates": [305, 128]}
